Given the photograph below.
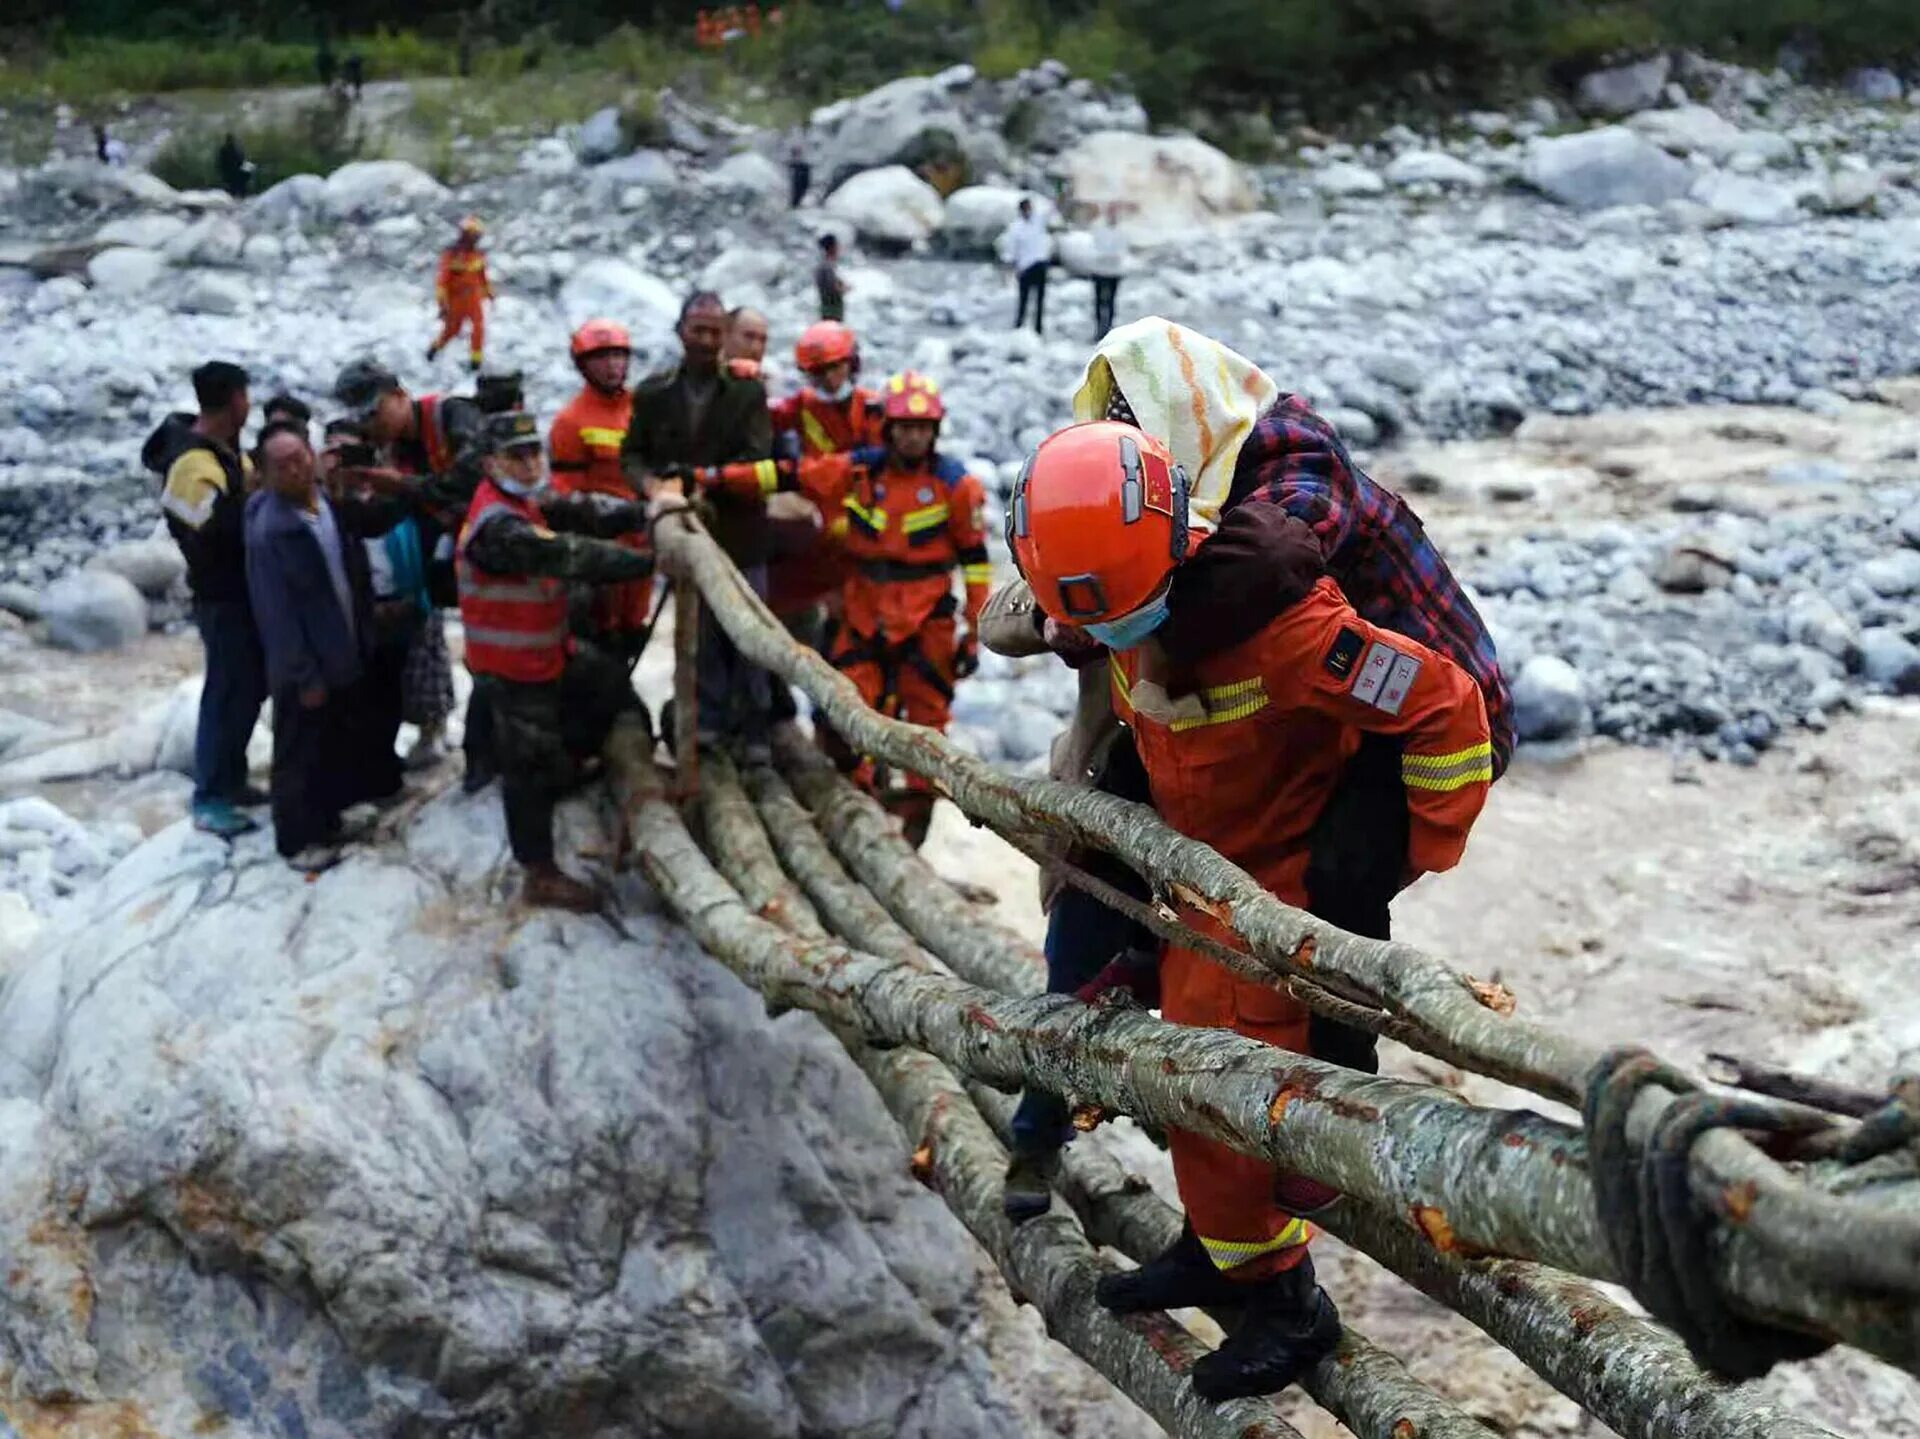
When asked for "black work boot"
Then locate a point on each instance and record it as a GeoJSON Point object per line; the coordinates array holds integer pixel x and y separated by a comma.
{"type": "Point", "coordinates": [1180, 1278]}
{"type": "Point", "coordinates": [1028, 1192]}
{"type": "Point", "coordinates": [1289, 1326]}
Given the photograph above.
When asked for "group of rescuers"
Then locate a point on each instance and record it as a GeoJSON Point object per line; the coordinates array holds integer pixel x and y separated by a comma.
{"type": "Point", "coordinates": [1270, 651]}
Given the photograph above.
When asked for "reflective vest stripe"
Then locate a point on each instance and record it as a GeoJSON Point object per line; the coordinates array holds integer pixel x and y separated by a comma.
{"type": "Point", "coordinates": [925, 519]}
{"type": "Point", "coordinates": [516, 639]}
{"type": "Point", "coordinates": [873, 521]}
{"type": "Point", "coordinates": [977, 574]}
{"type": "Point", "coordinates": [768, 474]}
{"type": "Point", "coordinates": [1444, 773]}
{"type": "Point", "coordinates": [599, 435]}
{"type": "Point", "coordinates": [1232, 1253]}
{"type": "Point", "coordinates": [818, 439]}
{"type": "Point", "coordinates": [516, 625]}
{"type": "Point", "coordinates": [528, 591]}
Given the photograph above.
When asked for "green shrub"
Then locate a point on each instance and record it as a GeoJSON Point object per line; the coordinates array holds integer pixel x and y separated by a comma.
{"type": "Point", "coordinates": [323, 137]}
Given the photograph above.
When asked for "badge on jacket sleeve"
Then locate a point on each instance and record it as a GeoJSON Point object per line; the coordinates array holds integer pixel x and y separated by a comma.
{"type": "Point", "coordinates": [1344, 651]}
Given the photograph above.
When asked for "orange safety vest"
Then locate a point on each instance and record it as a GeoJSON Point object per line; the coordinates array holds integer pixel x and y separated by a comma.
{"type": "Point", "coordinates": [463, 275]}
{"type": "Point", "coordinates": [906, 533]}
{"type": "Point", "coordinates": [584, 444]}
{"type": "Point", "coordinates": [433, 437]}
{"type": "Point", "coordinates": [516, 625]}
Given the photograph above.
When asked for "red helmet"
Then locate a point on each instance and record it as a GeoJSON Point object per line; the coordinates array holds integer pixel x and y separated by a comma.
{"type": "Point", "coordinates": [598, 335]}
{"type": "Point", "coordinates": [1098, 521]}
{"type": "Point", "coordinates": [913, 396]}
{"type": "Point", "coordinates": [826, 343]}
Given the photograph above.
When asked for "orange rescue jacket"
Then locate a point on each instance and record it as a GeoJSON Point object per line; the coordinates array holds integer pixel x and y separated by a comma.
{"type": "Point", "coordinates": [516, 625]}
{"type": "Point", "coordinates": [463, 277]}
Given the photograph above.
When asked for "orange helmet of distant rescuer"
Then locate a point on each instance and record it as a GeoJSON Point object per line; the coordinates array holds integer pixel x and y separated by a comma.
{"type": "Point", "coordinates": [912, 396]}
{"type": "Point", "coordinates": [826, 343]}
{"type": "Point", "coordinates": [597, 336]}
{"type": "Point", "coordinates": [1097, 524]}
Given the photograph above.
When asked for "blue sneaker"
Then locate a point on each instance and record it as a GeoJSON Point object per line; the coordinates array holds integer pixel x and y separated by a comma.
{"type": "Point", "coordinates": [216, 816]}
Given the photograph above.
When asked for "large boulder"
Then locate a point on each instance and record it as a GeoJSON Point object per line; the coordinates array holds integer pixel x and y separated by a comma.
{"type": "Point", "coordinates": [1172, 182]}
{"type": "Point", "coordinates": [377, 1155]}
{"type": "Point", "coordinates": [1624, 89]}
{"type": "Point", "coordinates": [750, 173]}
{"type": "Point", "coordinates": [126, 271]}
{"type": "Point", "coordinates": [364, 188]}
{"type": "Point", "coordinates": [615, 290]}
{"type": "Point", "coordinates": [210, 240]}
{"type": "Point", "coordinates": [649, 169]}
{"type": "Point", "coordinates": [1435, 167]}
{"type": "Point", "coordinates": [152, 566]}
{"type": "Point", "coordinates": [295, 199]}
{"type": "Point", "coordinates": [1876, 85]}
{"type": "Point", "coordinates": [206, 293]}
{"type": "Point", "coordinates": [1345, 180]}
{"type": "Point", "coordinates": [1549, 699]}
{"type": "Point", "coordinates": [601, 136]}
{"type": "Point", "coordinates": [890, 207]}
{"type": "Point", "coordinates": [91, 610]}
{"type": "Point", "coordinates": [878, 128]}
{"type": "Point", "coordinates": [1608, 166]}
{"type": "Point", "coordinates": [87, 184]}
{"type": "Point", "coordinates": [977, 214]}
{"type": "Point", "coordinates": [145, 232]}
{"type": "Point", "coordinates": [1745, 200]}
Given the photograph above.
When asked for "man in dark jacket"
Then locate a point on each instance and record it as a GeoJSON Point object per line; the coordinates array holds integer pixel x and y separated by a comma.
{"type": "Point", "coordinates": [307, 574]}
{"type": "Point", "coordinates": [205, 479]}
{"type": "Point", "coordinates": [696, 415]}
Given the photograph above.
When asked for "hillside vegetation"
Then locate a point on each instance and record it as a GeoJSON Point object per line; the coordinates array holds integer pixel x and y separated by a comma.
{"type": "Point", "coordinates": [1314, 57]}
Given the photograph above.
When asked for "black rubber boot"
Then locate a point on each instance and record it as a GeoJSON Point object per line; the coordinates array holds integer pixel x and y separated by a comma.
{"type": "Point", "coordinates": [1028, 1192]}
{"type": "Point", "coordinates": [1289, 1326]}
{"type": "Point", "coordinates": [1180, 1278]}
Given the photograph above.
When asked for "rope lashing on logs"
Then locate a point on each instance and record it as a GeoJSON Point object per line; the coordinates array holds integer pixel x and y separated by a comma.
{"type": "Point", "coordinates": [1660, 1234]}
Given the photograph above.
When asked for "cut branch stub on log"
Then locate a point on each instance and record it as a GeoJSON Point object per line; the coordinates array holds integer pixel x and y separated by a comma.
{"type": "Point", "coordinates": [1473, 1180]}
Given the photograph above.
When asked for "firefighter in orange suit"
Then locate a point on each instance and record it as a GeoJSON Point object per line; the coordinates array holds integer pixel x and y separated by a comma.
{"type": "Point", "coordinates": [462, 291]}
{"type": "Point", "coordinates": [1242, 750]}
{"type": "Point", "coordinates": [913, 517]}
{"type": "Point", "coordinates": [833, 415]}
{"type": "Point", "coordinates": [584, 449]}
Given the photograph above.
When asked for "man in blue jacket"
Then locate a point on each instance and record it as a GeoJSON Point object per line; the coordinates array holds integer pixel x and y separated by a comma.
{"type": "Point", "coordinates": [307, 576]}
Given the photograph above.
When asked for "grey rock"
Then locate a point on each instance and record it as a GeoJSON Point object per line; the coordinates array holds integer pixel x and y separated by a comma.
{"type": "Point", "coordinates": [1346, 180]}
{"type": "Point", "coordinates": [152, 566]}
{"type": "Point", "coordinates": [296, 198]}
{"type": "Point", "coordinates": [126, 271]}
{"type": "Point", "coordinates": [363, 189]}
{"type": "Point", "coordinates": [1356, 427]}
{"type": "Point", "coordinates": [1435, 167]}
{"type": "Point", "coordinates": [750, 173]}
{"type": "Point", "coordinates": [1691, 569]}
{"type": "Point", "coordinates": [213, 294]}
{"type": "Point", "coordinates": [601, 136]}
{"type": "Point", "coordinates": [1604, 167]}
{"type": "Point", "coordinates": [1890, 661]}
{"type": "Point", "coordinates": [1813, 620]}
{"type": "Point", "coordinates": [537, 1167]}
{"type": "Point", "coordinates": [1875, 85]}
{"type": "Point", "coordinates": [1893, 574]}
{"type": "Point", "coordinates": [1745, 200]}
{"type": "Point", "coordinates": [1623, 89]}
{"type": "Point", "coordinates": [889, 206]}
{"type": "Point", "coordinates": [1810, 472]}
{"type": "Point", "coordinates": [1549, 699]}
{"type": "Point", "coordinates": [91, 610]}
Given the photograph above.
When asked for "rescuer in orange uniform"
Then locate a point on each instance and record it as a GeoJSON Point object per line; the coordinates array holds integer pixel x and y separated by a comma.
{"type": "Point", "coordinates": [584, 446]}
{"type": "Point", "coordinates": [1242, 750]}
{"type": "Point", "coordinates": [462, 291]}
{"type": "Point", "coordinates": [831, 416]}
{"type": "Point", "coordinates": [912, 517]}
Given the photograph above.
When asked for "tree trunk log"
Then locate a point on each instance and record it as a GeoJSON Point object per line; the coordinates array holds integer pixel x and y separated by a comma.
{"type": "Point", "coordinates": [741, 852]}
{"type": "Point", "coordinates": [686, 690]}
{"type": "Point", "coordinates": [1784, 1230]}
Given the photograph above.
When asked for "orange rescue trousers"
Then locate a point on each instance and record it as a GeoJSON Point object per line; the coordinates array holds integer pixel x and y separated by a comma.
{"type": "Point", "coordinates": [911, 681]}
{"type": "Point", "coordinates": [464, 314]}
{"type": "Point", "coordinates": [1229, 1196]}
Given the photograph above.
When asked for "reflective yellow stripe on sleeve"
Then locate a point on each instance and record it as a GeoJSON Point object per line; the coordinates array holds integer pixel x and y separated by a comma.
{"type": "Point", "coordinates": [1442, 773]}
{"type": "Point", "coordinates": [874, 520]}
{"type": "Point", "coordinates": [768, 474]}
{"type": "Point", "coordinates": [977, 574]}
{"type": "Point", "coordinates": [1232, 1253]}
{"type": "Point", "coordinates": [598, 435]}
{"type": "Point", "coordinates": [1226, 703]}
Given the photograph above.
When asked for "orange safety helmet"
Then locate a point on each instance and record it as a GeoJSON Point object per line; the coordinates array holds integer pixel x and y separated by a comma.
{"type": "Point", "coordinates": [826, 343]}
{"type": "Point", "coordinates": [471, 226]}
{"type": "Point", "coordinates": [1098, 521]}
{"type": "Point", "coordinates": [911, 395]}
{"type": "Point", "coordinates": [597, 336]}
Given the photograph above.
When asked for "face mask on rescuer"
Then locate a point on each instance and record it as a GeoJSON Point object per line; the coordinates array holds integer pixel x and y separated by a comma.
{"type": "Point", "coordinates": [518, 488]}
{"type": "Point", "coordinates": [839, 393]}
{"type": "Point", "coordinates": [1131, 629]}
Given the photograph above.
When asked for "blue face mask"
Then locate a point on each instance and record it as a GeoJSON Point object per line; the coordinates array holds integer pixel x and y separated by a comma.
{"type": "Point", "coordinates": [1132, 629]}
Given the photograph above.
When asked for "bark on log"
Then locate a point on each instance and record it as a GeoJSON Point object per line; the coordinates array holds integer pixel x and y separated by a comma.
{"type": "Point", "coordinates": [731, 825]}
{"type": "Point", "coordinates": [870, 844]}
{"type": "Point", "coordinates": [686, 690]}
{"type": "Point", "coordinates": [1049, 1263]}
{"type": "Point", "coordinates": [1367, 1388]}
{"type": "Point", "coordinates": [850, 910]}
{"type": "Point", "coordinates": [1787, 1221]}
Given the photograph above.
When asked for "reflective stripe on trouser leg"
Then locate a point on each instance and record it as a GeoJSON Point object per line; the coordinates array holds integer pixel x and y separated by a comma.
{"type": "Point", "coordinates": [1229, 1197]}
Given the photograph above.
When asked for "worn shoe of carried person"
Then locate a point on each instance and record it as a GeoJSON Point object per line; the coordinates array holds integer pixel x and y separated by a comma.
{"type": "Point", "coordinates": [315, 858]}
{"type": "Point", "coordinates": [427, 753]}
{"type": "Point", "coordinates": [1290, 1325]}
{"type": "Point", "coordinates": [1028, 1191]}
{"type": "Point", "coordinates": [549, 887]}
{"type": "Point", "coordinates": [1180, 1277]}
{"type": "Point", "coordinates": [221, 818]}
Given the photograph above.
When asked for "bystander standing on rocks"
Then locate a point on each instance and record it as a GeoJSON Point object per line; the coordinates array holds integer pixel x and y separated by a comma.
{"type": "Point", "coordinates": [1109, 266]}
{"type": "Point", "coordinates": [1027, 246]}
{"type": "Point", "coordinates": [827, 280]}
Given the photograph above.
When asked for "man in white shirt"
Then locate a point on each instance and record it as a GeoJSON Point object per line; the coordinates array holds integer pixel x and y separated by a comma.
{"type": "Point", "coordinates": [1027, 246]}
{"type": "Point", "coordinates": [1109, 264]}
